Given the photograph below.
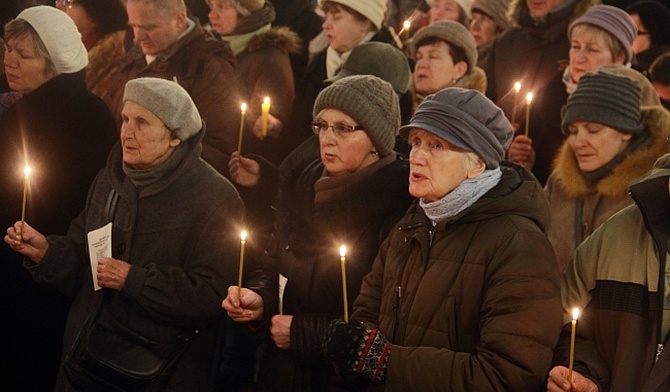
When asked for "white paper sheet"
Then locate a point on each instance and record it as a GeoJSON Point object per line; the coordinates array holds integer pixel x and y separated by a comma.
{"type": "Point", "coordinates": [282, 286]}
{"type": "Point", "coordinates": [99, 245]}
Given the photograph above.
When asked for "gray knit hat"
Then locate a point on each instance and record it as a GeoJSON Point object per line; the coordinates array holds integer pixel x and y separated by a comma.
{"type": "Point", "coordinates": [468, 120]}
{"type": "Point", "coordinates": [613, 20]}
{"type": "Point", "coordinates": [168, 101]}
{"type": "Point", "coordinates": [607, 99]}
{"type": "Point", "coordinates": [379, 59]}
{"type": "Point", "coordinates": [368, 100]}
{"type": "Point", "coordinates": [452, 33]}
{"type": "Point", "coordinates": [494, 9]}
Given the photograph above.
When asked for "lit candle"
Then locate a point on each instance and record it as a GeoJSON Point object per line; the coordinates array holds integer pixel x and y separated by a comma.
{"type": "Point", "coordinates": [26, 173]}
{"type": "Point", "coordinates": [243, 109]}
{"type": "Point", "coordinates": [243, 237]}
{"type": "Point", "coordinates": [265, 110]}
{"type": "Point", "coordinates": [575, 316]}
{"type": "Point", "coordinates": [405, 28]}
{"type": "Point", "coordinates": [529, 98]}
{"type": "Point", "coordinates": [343, 252]}
{"type": "Point", "coordinates": [517, 87]}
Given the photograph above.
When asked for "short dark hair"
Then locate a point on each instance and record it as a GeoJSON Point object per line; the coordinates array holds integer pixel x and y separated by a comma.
{"type": "Point", "coordinates": [456, 52]}
{"type": "Point", "coordinates": [107, 15]}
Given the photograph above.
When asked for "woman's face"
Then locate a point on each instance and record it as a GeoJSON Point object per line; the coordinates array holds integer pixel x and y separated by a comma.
{"type": "Point", "coordinates": [343, 31]}
{"type": "Point", "coordinates": [145, 140]}
{"type": "Point", "coordinates": [643, 40]}
{"type": "Point", "coordinates": [540, 8]}
{"type": "Point", "coordinates": [345, 152]}
{"type": "Point", "coordinates": [595, 144]}
{"type": "Point", "coordinates": [588, 52]}
{"type": "Point", "coordinates": [25, 68]}
{"type": "Point", "coordinates": [444, 10]}
{"type": "Point", "coordinates": [435, 68]}
{"type": "Point", "coordinates": [436, 167]}
{"type": "Point", "coordinates": [222, 16]}
{"type": "Point", "coordinates": [483, 29]}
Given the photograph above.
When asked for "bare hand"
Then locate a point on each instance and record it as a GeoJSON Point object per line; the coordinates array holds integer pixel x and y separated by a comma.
{"type": "Point", "coordinates": [521, 151]}
{"type": "Point", "coordinates": [31, 243]}
{"type": "Point", "coordinates": [245, 309]}
{"type": "Point", "coordinates": [274, 127]}
{"type": "Point", "coordinates": [558, 381]}
{"type": "Point", "coordinates": [280, 331]}
{"type": "Point", "coordinates": [112, 273]}
{"type": "Point", "coordinates": [244, 171]}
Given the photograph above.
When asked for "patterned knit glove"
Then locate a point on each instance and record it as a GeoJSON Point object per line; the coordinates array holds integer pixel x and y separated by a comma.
{"type": "Point", "coordinates": [361, 349]}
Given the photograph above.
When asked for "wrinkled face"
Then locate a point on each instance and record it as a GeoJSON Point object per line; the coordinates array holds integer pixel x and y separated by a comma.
{"type": "Point", "coordinates": [643, 40]}
{"type": "Point", "coordinates": [595, 144]}
{"type": "Point", "coordinates": [540, 8]}
{"type": "Point", "coordinates": [345, 152]}
{"type": "Point", "coordinates": [436, 166]}
{"type": "Point", "coordinates": [25, 68]}
{"type": "Point", "coordinates": [155, 29]}
{"type": "Point", "coordinates": [343, 31]}
{"type": "Point", "coordinates": [222, 16]}
{"type": "Point", "coordinates": [435, 68]}
{"type": "Point", "coordinates": [444, 10]}
{"type": "Point", "coordinates": [482, 28]}
{"type": "Point", "coordinates": [588, 52]}
{"type": "Point", "coordinates": [145, 140]}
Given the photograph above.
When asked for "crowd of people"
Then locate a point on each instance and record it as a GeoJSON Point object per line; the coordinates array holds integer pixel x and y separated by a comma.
{"type": "Point", "coordinates": [486, 167]}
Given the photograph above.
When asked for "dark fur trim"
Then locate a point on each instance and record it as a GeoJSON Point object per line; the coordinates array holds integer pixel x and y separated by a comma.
{"type": "Point", "coordinates": [278, 37]}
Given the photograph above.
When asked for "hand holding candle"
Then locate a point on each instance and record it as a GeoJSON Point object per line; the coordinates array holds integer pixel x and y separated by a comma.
{"type": "Point", "coordinates": [265, 110]}
{"type": "Point", "coordinates": [575, 316]}
{"type": "Point", "coordinates": [517, 88]}
{"type": "Point", "coordinates": [243, 110]}
{"type": "Point", "coordinates": [343, 252]}
{"type": "Point", "coordinates": [26, 173]}
{"type": "Point", "coordinates": [529, 98]}
{"type": "Point", "coordinates": [243, 237]}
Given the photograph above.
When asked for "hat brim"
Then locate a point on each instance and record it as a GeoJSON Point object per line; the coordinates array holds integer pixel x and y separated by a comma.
{"type": "Point", "coordinates": [449, 138]}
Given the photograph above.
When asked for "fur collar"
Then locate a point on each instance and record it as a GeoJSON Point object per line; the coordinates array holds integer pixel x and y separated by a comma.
{"type": "Point", "coordinates": [656, 121]}
{"type": "Point", "coordinates": [278, 37]}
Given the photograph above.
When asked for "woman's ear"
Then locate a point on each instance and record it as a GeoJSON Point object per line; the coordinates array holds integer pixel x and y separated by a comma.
{"type": "Point", "coordinates": [477, 169]}
{"type": "Point", "coordinates": [175, 142]}
{"type": "Point", "coordinates": [461, 68]}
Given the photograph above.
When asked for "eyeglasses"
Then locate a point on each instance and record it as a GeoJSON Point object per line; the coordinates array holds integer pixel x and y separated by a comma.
{"type": "Point", "coordinates": [64, 3]}
{"type": "Point", "coordinates": [338, 129]}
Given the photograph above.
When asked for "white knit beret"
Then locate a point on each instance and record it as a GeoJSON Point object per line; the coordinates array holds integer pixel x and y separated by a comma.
{"type": "Point", "coordinates": [374, 10]}
{"type": "Point", "coordinates": [59, 35]}
{"type": "Point", "coordinates": [168, 101]}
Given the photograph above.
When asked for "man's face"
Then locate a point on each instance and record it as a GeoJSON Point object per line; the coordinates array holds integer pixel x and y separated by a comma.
{"type": "Point", "coordinates": [155, 29]}
{"type": "Point", "coordinates": [540, 8]}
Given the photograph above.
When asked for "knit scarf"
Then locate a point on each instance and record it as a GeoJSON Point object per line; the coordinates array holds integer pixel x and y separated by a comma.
{"type": "Point", "coordinates": [238, 43]}
{"type": "Point", "coordinates": [335, 59]}
{"type": "Point", "coordinates": [143, 178]}
{"type": "Point", "coordinates": [462, 197]}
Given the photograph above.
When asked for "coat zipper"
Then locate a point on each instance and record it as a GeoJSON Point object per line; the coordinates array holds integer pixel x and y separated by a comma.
{"type": "Point", "coordinates": [396, 312]}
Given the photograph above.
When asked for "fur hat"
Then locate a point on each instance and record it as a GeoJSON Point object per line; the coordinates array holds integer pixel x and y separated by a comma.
{"type": "Point", "coordinates": [452, 33]}
{"type": "Point", "coordinates": [468, 120]}
{"type": "Point", "coordinates": [494, 9]}
{"type": "Point", "coordinates": [374, 10]}
{"type": "Point", "coordinates": [168, 101]}
{"type": "Point", "coordinates": [60, 37]}
{"type": "Point", "coordinates": [613, 20]}
{"type": "Point", "coordinates": [605, 98]}
{"type": "Point", "coordinates": [368, 100]}
{"type": "Point", "coordinates": [379, 59]}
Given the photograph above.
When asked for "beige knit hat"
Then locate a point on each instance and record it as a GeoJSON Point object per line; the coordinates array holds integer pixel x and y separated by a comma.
{"type": "Point", "coordinates": [452, 33]}
{"type": "Point", "coordinates": [374, 10]}
{"type": "Point", "coordinates": [464, 4]}
{"type": "Point", "coordinates": [494, 9]}
{"type": "Point", "coordinates": [249, 5]}
{"type": "Point", "coordinates": [60, 37]}
{"type": "Point", "coordinates": [368, 100]}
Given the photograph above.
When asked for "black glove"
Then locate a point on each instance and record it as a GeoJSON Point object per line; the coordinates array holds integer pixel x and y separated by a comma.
{"type": "Point", "coordinates": [361, 349]}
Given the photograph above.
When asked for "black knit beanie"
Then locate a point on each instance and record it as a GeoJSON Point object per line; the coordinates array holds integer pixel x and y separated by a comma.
{"type": "Point", "coordinates": [607, 99]}
{"type": "Point", "coordinates": [368, 100]}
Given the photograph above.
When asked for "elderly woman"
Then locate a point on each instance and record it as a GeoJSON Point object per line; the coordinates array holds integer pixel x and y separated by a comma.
{"type": "Point", "coordinates": [456, 10]}
{"type": "Point", "coordinates": [446, 56]}
{"type": "Point", "coordinates": [352, 195]}
{"type": "Point", "coordinates": [489, 21]}
{"type": "Point", "coordinates": [464, 292]}
{"type": "Point", "coordinates": [611, 141]}
{"type": "Point", "coordinates": [168, 271]}
{"type": "Point", "coordinates": [50, 121]}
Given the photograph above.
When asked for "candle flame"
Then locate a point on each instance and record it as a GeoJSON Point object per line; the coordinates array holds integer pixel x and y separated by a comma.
{"type": "Point", "coordinates": [529, 97]}
{"type": "Point", "coordinates": [243, 107]}
{"type": "Point", "coordinates": [343, 251]}
{"type": "Point", "coordinates": [575, 314]}
{"type": "Point", "coordinates": [27, 170]}
{"type": "Point", "coordinates": [517, 86]}
{"type": "Point", "coordinates": [407, 24]}
{"type": "Point", "coordinates": [243, 235]}
{"type": "Point", "coordinates": [266, 100]}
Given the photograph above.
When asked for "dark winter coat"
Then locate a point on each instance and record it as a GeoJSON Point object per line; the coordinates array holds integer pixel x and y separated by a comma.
{"type": "Point", "coordinates": [473, 303]}
{"type": "Point", "coordinates": [308, 238]}
{"type": "Point", "coordinates": [534, 54]}
{"type": "Point", "coordinates": [205, 67]}
{"type": "Point", "coordinates": [180, 236]}
{"type": "Point", "coordinates": [614, 279]}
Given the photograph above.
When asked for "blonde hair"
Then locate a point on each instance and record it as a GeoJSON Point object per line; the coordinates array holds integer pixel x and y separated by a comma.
{"type": "Point", "coordinates": [614, 45]}
{"type": "Point", "coordinates": [17, 29]}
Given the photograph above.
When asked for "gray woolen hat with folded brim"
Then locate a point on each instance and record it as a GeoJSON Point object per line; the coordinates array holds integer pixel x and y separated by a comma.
{"type": "Point", "coordinates": [466, 119]}
{"type": "Point", "coordinates": [168, 101]}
